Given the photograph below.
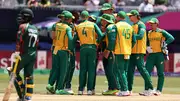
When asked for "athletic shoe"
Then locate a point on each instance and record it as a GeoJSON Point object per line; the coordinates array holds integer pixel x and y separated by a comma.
{"type": "Point", "coordinates": [80, 92]}
{"type": "Point", "coordinates": [123, 93]}
{"type": "Point", "coordinates": [50, 89]}
{"type": "Point", "coordinates": [157, 93]}
{"type": "Point", "coordinates": [130, 93]}
{"type": "Point", "coordinates": [70, 91]}
{"type": "Point", "coordinates": [27, 98]}
{"type": "Point", "coordinates": [18, 99]}
{"type": "Point", "coordinates": [62, 92]}
{"type": "Point", "coordinates": [110, 92]}
{"type": "Point", "coordinates": [90, 92]}
{"type": "Point", "coordinates": [147, 93]}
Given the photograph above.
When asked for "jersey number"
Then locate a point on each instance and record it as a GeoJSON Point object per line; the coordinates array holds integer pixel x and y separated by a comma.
{"type": "Point", "coordinates": [84, 32]}
{"type": "Point", "coordinates": [32, 40]}
{"type": "Point", "coordinates": [126, 33]}
{"type": "Point", "coordinates": [58, 34]}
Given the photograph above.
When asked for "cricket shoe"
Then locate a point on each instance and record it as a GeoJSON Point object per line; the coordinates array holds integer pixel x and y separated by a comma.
{"type": "Point", "coordinates": [18, 99]}
{"type": "Point", "coordinates": [123, 93]}
{"type": "Point", "coordinates": [157, 93]}
{"type": "Point", "coordinates": [90, 92]}
{"type": "Point", "coordinates": [110, 92]}
{"type": "Point", "coordinates": [80, 92]}
{"type": "Point", "coordinates": [130, 93]}
{"type": "Point", "coordinates": [27, 98]}
{"type": "Point", "coordinates": [149, 92]}
{"type": "Point", "coordinates": [62, 92]}
{"type": "Point", "coordinates": [50, 89]}
{"type": "Point", "coordinates": [70, 91]}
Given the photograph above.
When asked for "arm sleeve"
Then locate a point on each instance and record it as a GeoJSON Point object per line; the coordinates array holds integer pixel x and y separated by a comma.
{"type": "Point", "coordinates": [111, 34]}
{"type": "Point", "coordinates": [98, 31]}
{"type": "Point", "coordinates": [141, 32]}
{"type": "Point", "coordinates": [19, 39]}
{"type": "Point", "coordinates": [133, 40]}
{"type": "Point", "coordinates": [54, 27]}
{"type": "Point", "coordinates": [169, 37]}
{"type": "Point", "coordinates": [70, 38]}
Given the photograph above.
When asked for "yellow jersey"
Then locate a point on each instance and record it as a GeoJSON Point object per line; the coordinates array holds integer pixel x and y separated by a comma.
{"type": "Point", "coordinates": [86, 33]}
{"type": "Point", "coordinates": [61, 37]}
{"type": "Point", "coordinates": [140, 46]}
{"type": "Point", "coordinates": [123, 43]}
{"type": "Point", "coordinates": [155, 39]}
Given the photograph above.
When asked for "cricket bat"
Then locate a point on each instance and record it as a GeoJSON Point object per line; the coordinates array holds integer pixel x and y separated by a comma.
{"type": "Point", "coordinates": [11, 81]}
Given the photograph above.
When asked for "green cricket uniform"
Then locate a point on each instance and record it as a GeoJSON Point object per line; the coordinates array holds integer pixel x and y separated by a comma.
{"type": "Point", "coordinates": [86, 32]}
{"type": "Point", "coordinates": [123, 46]}
{"type": "Point", "coordinates": [53, 77]}
{"type": "Point", "coordinates": [63, 46]}
{"type": "Point", "coordinates": [156, 57]}
{"type": "Point", "coordinates": [137, 56]}
{"type": "Point", "coordinates": [109, 64]}
{"type": "Point", "coordinates": [72, 59]}
{"type": "Point", "coordinates": [27, 39]}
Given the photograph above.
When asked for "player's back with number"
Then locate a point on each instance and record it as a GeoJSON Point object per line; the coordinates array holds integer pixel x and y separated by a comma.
{"type": "Point", "coordinates": [86, 33]}
{"type": "Point", "coordinates": [30, 39]}
{"type": "Point", "coordinates": [124, 38]}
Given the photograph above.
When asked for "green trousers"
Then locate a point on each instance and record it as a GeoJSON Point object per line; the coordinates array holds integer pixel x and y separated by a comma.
{"type": "Point", "coordinates": [53, 72]}
{"type": "Point", "coordinates": [62, 62]}
{"type": "Point", "coordinates": [87, 67]}
{"type": "Point", "coordinates": [109, 72]}
{"type": "Point", "coordinates": [156, 59]}
{"type": "Point", "coordinates": [121, 65]}
{"type": "Point", "coordinates": [27, 62]}
{"type": "Point", "coordinates": [138, 60]}
{"type": "Point", "coordinates": [70, 71]}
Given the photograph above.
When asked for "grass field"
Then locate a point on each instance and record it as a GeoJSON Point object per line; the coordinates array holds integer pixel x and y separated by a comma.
{"type": "Point", "coordinates": [171, 86]}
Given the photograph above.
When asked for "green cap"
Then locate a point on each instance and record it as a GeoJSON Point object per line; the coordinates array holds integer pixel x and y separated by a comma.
{"type": "Point", "coordinates": [154, 20]}
{"type": "Point", "coordinates": [84, 13]}
{"type": "Point", "coordinates": [106, 6]}
{"type": "Point", "coordinates": [121, 14]}
{"type": "Point", "coordinates": [107, 17]}
{"type": "Point", "coordinates": [62, 14]}
{"type": "Point", "coordinates": [133, 12]}
{"type": "Point", "coordinates": [93, 17]}
{"type": "Point", "coordinates": [68, 15]}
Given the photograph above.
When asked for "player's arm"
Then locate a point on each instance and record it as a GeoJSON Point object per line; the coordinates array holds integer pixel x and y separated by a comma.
{"type": "Point", "coordinates": [53, 32]}
{"type": "Point", "coordinates": [133, 40]}
{"type": "Point", "coordinates": [70, 38]}
{"type": "Point", "coordinates": [99, 32]}
{"type": "Point", "coordinates": [111, 34]}
{"type": "Point", "coordinates": [19, 36]}
{"type": "Point", "coordinates": [168, 36]}
{"type": "Point", "coordinates": [141, 31]}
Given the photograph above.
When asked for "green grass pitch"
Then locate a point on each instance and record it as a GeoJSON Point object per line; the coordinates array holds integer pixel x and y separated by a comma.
{"type": "Point", "coordinates": [171, 85]}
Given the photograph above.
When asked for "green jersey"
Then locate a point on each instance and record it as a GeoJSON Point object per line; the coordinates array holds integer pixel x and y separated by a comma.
{"type": "Point", "coordinates": [27, 39]}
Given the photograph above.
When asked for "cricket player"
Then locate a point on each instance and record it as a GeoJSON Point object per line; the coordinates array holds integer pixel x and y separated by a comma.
{"type": "Point", "coordinates": [112, 87]}
{"type": "Point", "coordinates": [26, 48]}
{"type": "Point", "coordinates": [63, 35]}
{"type": "Point", "coordinates": [158, 39]}
{"type": "Point", "coordinates": [86, 32]}
{"type": "Point", "coordinates": [138, 52]}
{"type": "Point", "coordinates": [54, 74]}
{"type": "Point", "coordinates": [125, 40]}
{"type": "Point", "coordinates": [107, 20]}
{"type": "Point", "coordinates": [72, 61]}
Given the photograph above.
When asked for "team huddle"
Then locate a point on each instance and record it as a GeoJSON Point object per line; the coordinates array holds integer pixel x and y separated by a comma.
{"type": "Point", "coordinates": [122, 45]}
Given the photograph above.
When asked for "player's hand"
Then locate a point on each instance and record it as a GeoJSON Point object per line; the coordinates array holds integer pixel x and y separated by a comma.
{"type": "Point", "coordinates": [15, 55]}
{"type": "Point", "coordinates": [149, 49]}
{"type": "Point", "coordinates": [165, 51]}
